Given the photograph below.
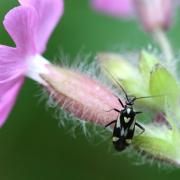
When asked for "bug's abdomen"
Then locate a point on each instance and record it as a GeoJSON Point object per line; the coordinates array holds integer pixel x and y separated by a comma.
{"type": "Point", "coordinates": [123, 132]}
{"type": "Point", "coordinates": [120, 144]}
{"type": "Point", "coordinates": [120, 140]}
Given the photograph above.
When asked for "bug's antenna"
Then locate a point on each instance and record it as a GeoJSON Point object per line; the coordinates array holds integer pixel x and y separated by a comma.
{"type": "Point", "coordinates": [147, 97]}
{"type": "Point", "coordinates": [117, 83]}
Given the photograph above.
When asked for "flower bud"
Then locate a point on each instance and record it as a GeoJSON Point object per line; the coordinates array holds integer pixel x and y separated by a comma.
{"type": "Point", "coordinates": [154, 14]}
{"type": "Point", "coordinates": [117, 8]}
{"type": "Point", "coordinates": [84, 97]}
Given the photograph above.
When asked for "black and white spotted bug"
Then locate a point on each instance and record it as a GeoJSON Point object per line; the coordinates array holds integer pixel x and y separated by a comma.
{"type": "Point", "coordinates": [125, 123]}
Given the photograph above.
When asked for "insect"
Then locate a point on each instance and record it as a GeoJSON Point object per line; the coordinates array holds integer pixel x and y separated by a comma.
{"type": "Point", "coordinates": [125, 123]}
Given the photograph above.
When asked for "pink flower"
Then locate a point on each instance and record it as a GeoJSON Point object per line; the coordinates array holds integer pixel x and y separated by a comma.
{"type": "Point", "coordinates": [30, 26]}
{"type": "Point", "coordinates": [153, 14]}
{"type": "Point", "coordinates": [119, 8]}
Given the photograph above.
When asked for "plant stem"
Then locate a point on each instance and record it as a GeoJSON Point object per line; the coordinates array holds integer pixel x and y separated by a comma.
{"type": "Point", "coordinates": [161, 38]}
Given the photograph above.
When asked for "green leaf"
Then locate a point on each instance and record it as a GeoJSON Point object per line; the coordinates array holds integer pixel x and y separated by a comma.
{"type": "Point", "coordinates": [146, 64]}
{"type": "Point", "coordinates": [118, 66]}
{"type": "Point", "coordinates": [121, 70]}
{"type": "Point", "coordinates": [159, 143]}
{"type": "Point", "coordinates": [163, 83]}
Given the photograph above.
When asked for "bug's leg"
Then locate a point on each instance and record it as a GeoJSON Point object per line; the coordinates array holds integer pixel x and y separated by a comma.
{"type": "Point", "coordinates": [110, 123]}
{"type": "Point", "coordinates": [121, 103]}
{"type": "Point", "coordinates": [138, 112]}
{"type": "Point", "coordinates": [140, 127]}
{"type": "Point", "coordinates": [114, 109]}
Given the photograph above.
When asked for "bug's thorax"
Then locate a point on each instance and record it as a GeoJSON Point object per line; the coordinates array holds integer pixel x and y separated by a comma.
{"type": "Point", "coordinates": [128, 111]}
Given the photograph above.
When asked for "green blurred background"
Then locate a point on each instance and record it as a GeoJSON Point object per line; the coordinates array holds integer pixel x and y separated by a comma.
{"type": "Point", "coordinates": [33, 146]}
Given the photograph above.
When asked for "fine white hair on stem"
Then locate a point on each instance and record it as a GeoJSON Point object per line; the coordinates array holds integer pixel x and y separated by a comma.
{"type": "Point", "coordinates": [144, 158]}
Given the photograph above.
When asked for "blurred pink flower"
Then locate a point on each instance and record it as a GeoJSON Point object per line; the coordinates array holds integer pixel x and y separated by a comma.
{"type": "Point", "coordinates": [122, 8]}
{"type": "Point", "coordinates": [30, 26]}
{"type": "Point", "coordinates": [153, 14]}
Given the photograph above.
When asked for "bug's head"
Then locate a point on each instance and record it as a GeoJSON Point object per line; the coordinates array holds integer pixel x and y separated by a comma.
{"type": "Point", "coordinates": [130, 101]}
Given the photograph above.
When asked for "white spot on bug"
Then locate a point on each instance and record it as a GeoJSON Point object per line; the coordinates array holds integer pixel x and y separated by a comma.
{"type": "Point", "coordinates": [128, 141]}
{"type": "Point", "coordinates": [122, 131]}
{"type": "Point", "coordinates": [126, 119]}
{"type": "Point", "coordinates": [128, 110]}
{"type": "Point", "coordinates": [115, 139]}
{"type": "Point", "coordinates": [132, 125]}
{"type": "Point", "coordinates": [118, 124]}
{"type": "Point", "coordinates": [125, 132]}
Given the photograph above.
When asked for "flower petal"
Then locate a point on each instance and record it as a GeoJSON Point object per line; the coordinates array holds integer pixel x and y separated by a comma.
{"type": "Point", "coordinates": [12, 63]}
{"type": "Point", "coordinates": [8, 93]}
{"type": "Point", "coordinates": [12, 68]}
{"type": "Point", "coordinates": [21, 24]}
{"type": "Point", "coordinates": [122, 8]}
{"type": "Point", "coordinates": [49, 12]}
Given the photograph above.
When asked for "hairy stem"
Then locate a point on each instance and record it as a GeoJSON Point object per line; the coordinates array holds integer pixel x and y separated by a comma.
{"type": "Point", "coordinates": [161, 38]}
